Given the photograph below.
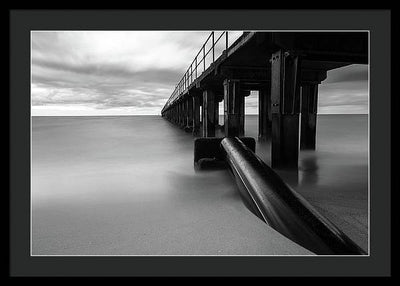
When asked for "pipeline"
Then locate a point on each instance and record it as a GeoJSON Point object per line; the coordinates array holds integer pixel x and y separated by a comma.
{"type": "Point", "coordinates": [281, 207]}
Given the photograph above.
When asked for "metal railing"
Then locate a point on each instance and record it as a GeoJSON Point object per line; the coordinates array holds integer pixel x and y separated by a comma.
{"type": "Point", "coordinates": [198, 65]}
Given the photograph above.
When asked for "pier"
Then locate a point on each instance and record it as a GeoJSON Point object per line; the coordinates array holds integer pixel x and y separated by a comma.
{"type": "Point", "coordinates": [286, 69]}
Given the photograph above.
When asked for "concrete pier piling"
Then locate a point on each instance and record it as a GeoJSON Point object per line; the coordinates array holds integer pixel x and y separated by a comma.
{"type": "Point", "coordinates": [233, 107]}
{"type": "Point", "coordinates": [208, 113]}
{"type": "Point", "coordinates": [264, 113]}
{"type": "Point", "coordinates": [285, 97]}
{"type": "Point", "coordinates": [243, 94]}
{"type": "Point", "coordinates": [309, 99]}
{"type": "Point", "coordinates": [189, 114]}
{"type": "Point", "coordinates": [216, 114]}
{"type": "Point", "coordinates": [196, 114]}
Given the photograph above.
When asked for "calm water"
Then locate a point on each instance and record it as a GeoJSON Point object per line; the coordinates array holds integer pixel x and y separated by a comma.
{"type": "Point", "coordinates": [334, 178]}
{"type": "Point", "coordinates": [126, 185]}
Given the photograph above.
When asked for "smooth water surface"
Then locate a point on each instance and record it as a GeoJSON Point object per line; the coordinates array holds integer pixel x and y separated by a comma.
{"type": "Point", "coordinates": [126, 185]}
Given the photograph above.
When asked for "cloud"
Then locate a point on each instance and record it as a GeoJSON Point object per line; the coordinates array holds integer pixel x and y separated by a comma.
{"type": "Point", "coordinates": [109, 70]}
{"type": "Point", "coordinates": [351, 73]}
{"type": "Point", "coordinates": [118, 72]}
{"type": "Point", "coordinates": [344, 91]}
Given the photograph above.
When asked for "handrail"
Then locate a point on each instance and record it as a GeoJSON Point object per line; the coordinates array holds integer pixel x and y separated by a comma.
{"type": "Point", "coordinates": [192, 73]}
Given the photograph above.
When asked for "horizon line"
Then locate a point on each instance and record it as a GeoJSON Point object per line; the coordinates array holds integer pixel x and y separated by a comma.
{"type": "Point", "coordinates": [105, 115]}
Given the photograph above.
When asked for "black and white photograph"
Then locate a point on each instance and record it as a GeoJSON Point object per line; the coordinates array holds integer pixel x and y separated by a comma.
{"type": "Point", "coordinates": [199, 142]}
{"type": "Point", "coordinates": [177, 142]}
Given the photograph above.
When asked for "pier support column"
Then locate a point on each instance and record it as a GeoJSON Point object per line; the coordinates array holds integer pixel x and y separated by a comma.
{"type": "Point", "coordinates": [178, 107]}
{"type": "Point", "coordinates": [233, 108]}
{"type": "Point", "coordinates": [175, 114]}
{"type": "Point", "coordinates": [309, 102]}
{"type": "Point", "coordinates": [208, 113]}
{"type": "Point", "coordinates": [189, 114]}
{"type": "Point", "coordinates": [184, 106]}
{"type": "Point", "coordinates": [243, 95]}
{"type": "Point", "coordinates": [216, 105]}
{"type": "Point", "coordinates": [285, 98]}
{"type": "Point", "coordinates": [196, 114]}
{"type": "Point", "coordinates": [183, 121]}
{"type": "Point", "coordinates": [178, 114]}
{"type": "Point", "coordinates": [264, 113]}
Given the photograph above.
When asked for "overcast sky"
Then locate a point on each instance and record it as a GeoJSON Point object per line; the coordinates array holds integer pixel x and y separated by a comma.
{"type": "Point", "coordinates": [134, 73]}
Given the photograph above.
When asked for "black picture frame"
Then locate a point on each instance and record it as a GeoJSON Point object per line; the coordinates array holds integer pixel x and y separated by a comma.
{"type": "Point", "coordinates": [378, 22]}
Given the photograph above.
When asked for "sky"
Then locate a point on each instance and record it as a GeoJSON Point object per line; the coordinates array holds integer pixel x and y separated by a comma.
{"type": "Point", "coordinates": [77, 73]}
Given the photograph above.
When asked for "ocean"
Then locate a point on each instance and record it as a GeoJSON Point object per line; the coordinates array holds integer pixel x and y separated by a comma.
{"type": "Point", "coordinates": [125, 185]}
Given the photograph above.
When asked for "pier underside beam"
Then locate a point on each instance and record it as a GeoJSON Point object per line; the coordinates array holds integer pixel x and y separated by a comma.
{"type": "Point", "coordinates": [233, 108]}
{"type": "Point", "coordinates": [285, 99]}
{"type": "Point", "coordinates": [208, 113]}
{"type": "Point", "coordinates": [309, 102]}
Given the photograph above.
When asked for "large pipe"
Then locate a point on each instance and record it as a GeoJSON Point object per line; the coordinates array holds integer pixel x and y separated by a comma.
{"type": "Point", "coordinates": [281, 207]}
